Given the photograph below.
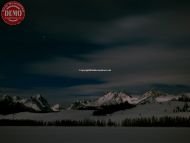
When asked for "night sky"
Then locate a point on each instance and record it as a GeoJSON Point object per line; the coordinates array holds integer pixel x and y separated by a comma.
{"type": "Point", "coordinates": [146, 43]}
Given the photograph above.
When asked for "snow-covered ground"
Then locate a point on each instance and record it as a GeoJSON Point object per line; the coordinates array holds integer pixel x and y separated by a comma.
{"type": "Point", "coordinates": [93, 135]}
{"type": "Point", "coordinates": [144, 110]}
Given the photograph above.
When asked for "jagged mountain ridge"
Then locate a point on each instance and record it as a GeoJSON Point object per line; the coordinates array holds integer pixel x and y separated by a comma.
{"type": "Point", "coordinates": [115, 101]}
{"type": "Point", "coordinates": [111, 98]}
{"type": "Point", "coordinates": [13, 104]}
{"type": "Point", "coordinates": [157, 97]}
{"type": "Point", "coordinates": [108, 103]}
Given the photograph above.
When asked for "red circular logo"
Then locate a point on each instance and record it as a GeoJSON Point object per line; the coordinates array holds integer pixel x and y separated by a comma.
{"type": "Point", "coordinates": [13, 13]}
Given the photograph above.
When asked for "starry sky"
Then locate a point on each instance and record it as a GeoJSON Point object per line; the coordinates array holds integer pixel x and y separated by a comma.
{"type": "Point", "coordinates": [145, 43]}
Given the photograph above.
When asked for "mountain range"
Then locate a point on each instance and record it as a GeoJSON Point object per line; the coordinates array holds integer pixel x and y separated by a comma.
{"type": "Point", "coordinates": [107, 104]}
{"type": "Point", "coordinates": [116, 101]}
{"type": "Point", "coordinates": [14, 104]}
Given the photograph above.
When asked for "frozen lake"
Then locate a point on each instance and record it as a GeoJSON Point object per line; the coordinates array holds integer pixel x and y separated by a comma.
{"type": "Point", "coordinates": [93, 135]}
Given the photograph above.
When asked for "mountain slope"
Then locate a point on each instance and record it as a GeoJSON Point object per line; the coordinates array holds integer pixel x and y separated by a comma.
{"type": "Point", "coordinates": [115, 101]}
{"type": "Point", "coordinates": [107, 104]}
{"type": "Point", "coordinates": [113, 98]}
{"type": "Point", "coordinates": [14, 104]}
{"type": "Point", "coordinates": [156, 97]}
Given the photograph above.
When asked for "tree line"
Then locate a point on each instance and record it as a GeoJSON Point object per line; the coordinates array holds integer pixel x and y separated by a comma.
{"type": "Point", "coordinates": [137, 122]}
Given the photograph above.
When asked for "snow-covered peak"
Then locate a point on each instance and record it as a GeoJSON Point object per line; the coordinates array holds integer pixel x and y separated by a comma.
{"type": "Point", "coordinates": [55, 108]}
{"type": "Point", "coordinates": [34, 104]}
{"type": "Point", "coordinates": [153, 93]}
{"type": "Point", "coordinates": [38, 96]}
{"type": "Point", "coordinates": [113, 98]}
{"type": "Point", "coordinates": [156, 96]}
{"type": "Point", "coordinates": [40, 100]}
{"type": "Point", "coordinates": [80, 104]}
{"type": "Point", "coordinates": [5, 97]}
{"type": "Point", "coordinates": [16, 99]}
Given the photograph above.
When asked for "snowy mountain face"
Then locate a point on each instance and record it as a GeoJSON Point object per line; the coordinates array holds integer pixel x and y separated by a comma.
{"type": "Point", "coordinates": [11, 104]}
{"type": "Point", "coordinates": [156, 97]}
{"type": "Point", "coordinates": [41, 103]}
{"type": "Point", "coordinates": [115, 101]}
{"type": "Point", "coordinates": [116, 98]}
{"type": "Point", "coordinates": [106, 104]}
{"type": "Point", "coordinates": [81, 105]}
{"type": "Point", "coordinates": [113, 98]}
{"type": "Point", "coordinates": [111, 102]}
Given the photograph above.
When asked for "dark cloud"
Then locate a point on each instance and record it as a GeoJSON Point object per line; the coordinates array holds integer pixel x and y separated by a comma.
{"type": "Point", "coordinates": [99, 10]}
{"type": "Point", "coordinates": [35, 81]}
{"type": "Point", "coordinates": [135, 69]}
